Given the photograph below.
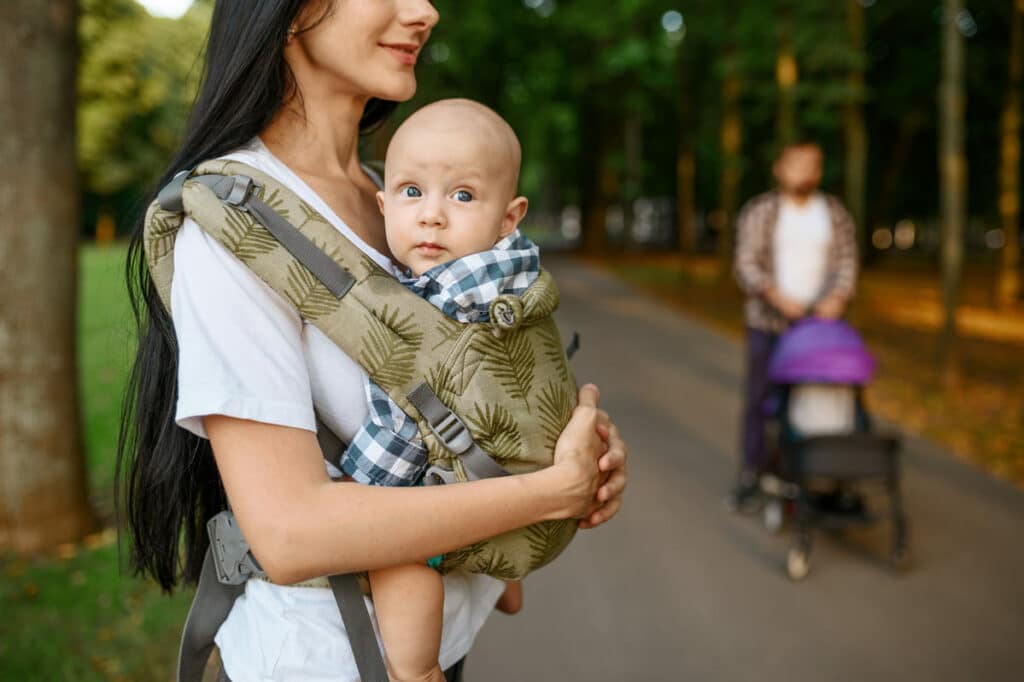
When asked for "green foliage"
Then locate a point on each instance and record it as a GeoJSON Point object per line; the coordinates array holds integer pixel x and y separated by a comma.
{"type": "Point", "coordinates": [496, 432]}
{"type": "Point", "coordinates": [554, 405]}
{"type": "Point", "coordinates": [497, 565]}
{"type": "Point", "coordinates": [137, 78]}
{"type": "Point", "coordinates": [552, 349]}
{"type": "Point", "coordinates": [509, 358]}
{"type": "Point", "coordinates": [547, 540]}
{"type": "Point", "coordinates": [572, 77]}
{"type": "Point", "coordinates": [391, 345]}
{"type": "Point", "coordinates": [308, 294]}
{"type": "Point", "coordinates": [247, 239]}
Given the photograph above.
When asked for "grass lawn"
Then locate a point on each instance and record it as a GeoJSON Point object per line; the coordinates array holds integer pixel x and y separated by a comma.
{"type": "Point", "coordinates": [978, 412]}
{"type": "Point", "coordinates": [72, 615]}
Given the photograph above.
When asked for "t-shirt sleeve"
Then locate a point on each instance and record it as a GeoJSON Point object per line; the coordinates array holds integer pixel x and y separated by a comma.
{"type": "Point", "coordinates": [240, 348]}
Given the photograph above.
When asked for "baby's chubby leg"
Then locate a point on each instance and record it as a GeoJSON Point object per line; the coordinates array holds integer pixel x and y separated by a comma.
{"type": "Point", "coordinates": [409, 601]}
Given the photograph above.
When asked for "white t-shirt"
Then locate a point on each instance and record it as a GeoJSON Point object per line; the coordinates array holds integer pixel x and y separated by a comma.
{"type": "Point", "coordinates": [244, 352]}
{"type": "Point", "coordinates": [802, 237]}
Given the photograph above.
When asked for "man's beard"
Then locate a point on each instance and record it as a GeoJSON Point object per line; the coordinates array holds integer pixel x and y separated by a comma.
{"type": "Point", "coordinates": [803, 190]}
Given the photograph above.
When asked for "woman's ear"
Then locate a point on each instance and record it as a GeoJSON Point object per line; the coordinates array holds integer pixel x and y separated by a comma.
{"type": "Point", "coordinates": [380, 202]}
{"type": "Point", "coordinates": [514, 214]}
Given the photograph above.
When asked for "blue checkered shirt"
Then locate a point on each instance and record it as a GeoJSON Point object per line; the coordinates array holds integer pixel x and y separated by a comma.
{"type": "Point", "coordinates": [387, 449]}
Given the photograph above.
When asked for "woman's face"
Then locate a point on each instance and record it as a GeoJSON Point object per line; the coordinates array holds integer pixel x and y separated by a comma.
{"type": "Point", "coordinates": [367, 48]}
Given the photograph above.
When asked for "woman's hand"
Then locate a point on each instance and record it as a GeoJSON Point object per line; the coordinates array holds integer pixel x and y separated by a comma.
{"type": "Point", "coordinates": [577, 453]}
{"type": "Point", "coordinates": [612, 464]}
{"type": "Point", "coordinates": [591, 458]}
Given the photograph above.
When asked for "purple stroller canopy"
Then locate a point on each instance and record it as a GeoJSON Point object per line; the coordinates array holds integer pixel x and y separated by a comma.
{"type": "Point", "coordinates": [821, 351]}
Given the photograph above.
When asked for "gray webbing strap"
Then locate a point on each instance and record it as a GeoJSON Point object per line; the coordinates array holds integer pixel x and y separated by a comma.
{"type": "Point", "coordinates": [453, 433]}
{"type": "Point", "coordinates": [210, 607]}
{"type": "Point", "coordinates": [361, 636]}
{"type": "Point", "coordinates": [237, 191]}
{"type": "Point", "coordinates": [331, 446]}
{"type": "Point", "coordinates": [573, 346]}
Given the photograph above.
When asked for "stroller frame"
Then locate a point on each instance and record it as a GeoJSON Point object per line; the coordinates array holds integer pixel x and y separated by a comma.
{"type": "Point", "coordinates": [839, 459]}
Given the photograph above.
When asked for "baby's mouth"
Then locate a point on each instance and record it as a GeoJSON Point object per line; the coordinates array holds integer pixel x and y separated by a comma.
{"type": "Point", "coordinates": [429, 248]}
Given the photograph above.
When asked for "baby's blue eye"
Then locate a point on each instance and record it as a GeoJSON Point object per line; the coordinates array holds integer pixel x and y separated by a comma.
{"type": "Point", "coordinates": [463, 195]}
{"type": "Point", "coordinates": [411, 191]}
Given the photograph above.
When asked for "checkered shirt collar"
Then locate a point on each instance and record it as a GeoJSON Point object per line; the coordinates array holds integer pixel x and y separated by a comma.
{"type": "Point", "coordinates": [465, 287]}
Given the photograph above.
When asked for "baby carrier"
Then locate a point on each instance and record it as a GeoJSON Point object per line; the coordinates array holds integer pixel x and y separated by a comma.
{"type": "Point", "coordinates": [827, 445]}
{"type": "Point", "coordinates": [489, 398]}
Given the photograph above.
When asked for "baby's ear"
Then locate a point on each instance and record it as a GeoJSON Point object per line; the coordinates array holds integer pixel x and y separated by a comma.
{"type": "Point", "coordinates": [514, 214]}
{"type": "Point", "coordinates": [380, 202]}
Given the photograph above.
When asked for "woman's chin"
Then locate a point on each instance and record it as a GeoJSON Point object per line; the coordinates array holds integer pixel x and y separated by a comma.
{"type": "Point", "coordinates": [395, 89]}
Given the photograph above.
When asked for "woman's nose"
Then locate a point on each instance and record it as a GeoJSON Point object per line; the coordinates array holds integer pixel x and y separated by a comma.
{"type": "Point", "coordinates": [420, 14]}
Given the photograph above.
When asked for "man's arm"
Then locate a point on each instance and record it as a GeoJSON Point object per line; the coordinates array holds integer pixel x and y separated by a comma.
{"type": "Point", "coordinates": [844, 279]}
{"type": "Point", "coordinates": [751, 234]}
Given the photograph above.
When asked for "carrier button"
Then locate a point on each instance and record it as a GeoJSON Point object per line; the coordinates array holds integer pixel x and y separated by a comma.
{"type": "Point", "coordinates": [506, 312]}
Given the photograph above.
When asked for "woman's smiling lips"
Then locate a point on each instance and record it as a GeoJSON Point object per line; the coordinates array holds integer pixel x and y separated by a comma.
{"type": "Point", "coordinates": [405, 53]}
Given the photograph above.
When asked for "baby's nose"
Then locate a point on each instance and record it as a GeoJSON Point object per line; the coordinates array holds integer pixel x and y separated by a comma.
{"type": "Point", "coordinates": [432, 214]}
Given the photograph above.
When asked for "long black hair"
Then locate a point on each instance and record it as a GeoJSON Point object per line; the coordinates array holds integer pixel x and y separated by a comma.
{"type": "Point", "coordinates": [167, 481]}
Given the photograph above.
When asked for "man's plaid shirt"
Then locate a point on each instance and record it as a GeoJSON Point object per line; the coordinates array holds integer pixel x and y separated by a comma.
{"type": "Point", "coordinates": [387, 449]}
{"type": "Point", "coordinates": [754, 266]}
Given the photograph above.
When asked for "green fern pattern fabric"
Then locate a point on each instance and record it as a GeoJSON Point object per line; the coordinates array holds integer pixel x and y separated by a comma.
{"type": "Point", "coordinates": [508, 379]}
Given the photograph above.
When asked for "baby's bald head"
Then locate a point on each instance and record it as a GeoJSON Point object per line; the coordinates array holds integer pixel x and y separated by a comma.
{"type": "Point", "coordinates": [450, 181]}
{"type": "Point", "coordinates": [470, 125]}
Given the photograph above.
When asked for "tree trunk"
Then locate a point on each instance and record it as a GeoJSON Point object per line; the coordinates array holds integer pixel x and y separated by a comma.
{"type": "Point", "coordinates": [633, 148]}
{"type": "Point", "coordinates": [953, 174]}
{"type": "Point", "coordinates": [854, 130]}
{"type": "Point", "coordinates": [686, 165]}
{"type": "Point", "coordinates": [686, 197]}
{"type": "Point", "coordinates": [786, 76]}
{"type": "Point", "coordinates": [732, 164]}
{"type": "Point", "coordinates": [43, 498]}
{"type": "Point", "coordinates": [1009, 171]}
{"type": "Point", "coordinates": [593, 200]}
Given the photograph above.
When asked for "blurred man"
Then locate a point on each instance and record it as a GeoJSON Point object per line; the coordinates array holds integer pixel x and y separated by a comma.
{"type": "Point", "coordinates": [796, 255]}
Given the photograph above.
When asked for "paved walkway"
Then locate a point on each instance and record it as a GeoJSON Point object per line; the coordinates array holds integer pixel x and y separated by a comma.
{"type": "Point", "coordinates": [678, 589]}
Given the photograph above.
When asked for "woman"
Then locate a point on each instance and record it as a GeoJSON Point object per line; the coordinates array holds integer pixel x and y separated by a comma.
{"type": "Point", "coordinates": [289, 85]}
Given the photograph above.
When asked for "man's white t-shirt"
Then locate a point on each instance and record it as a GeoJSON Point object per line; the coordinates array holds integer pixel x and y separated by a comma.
{"type": "Point", "coordinates": [802, 238]}
{"type": "Point", "coordinates": [244, 352]}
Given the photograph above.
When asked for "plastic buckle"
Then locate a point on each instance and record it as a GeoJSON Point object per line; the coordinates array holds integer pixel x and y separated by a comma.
{"type": "Point", "coordinates": [169, 196]}
{"type": "Point", "coordinates": [231, 556]}
{"type": "Point", "coordinates": [241, 190]}
{"type": "Point", "coordinates": [436, 475]}
{"type": "Point", "coordinates": [453, 433]}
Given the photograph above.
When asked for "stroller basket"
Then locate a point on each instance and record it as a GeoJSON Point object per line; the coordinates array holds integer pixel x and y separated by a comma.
{"type": "Point", "coordinates": [850, 456]}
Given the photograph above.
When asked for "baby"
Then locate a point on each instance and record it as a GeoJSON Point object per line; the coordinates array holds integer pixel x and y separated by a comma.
{"type": "Point", "coordinates": [450, 212]}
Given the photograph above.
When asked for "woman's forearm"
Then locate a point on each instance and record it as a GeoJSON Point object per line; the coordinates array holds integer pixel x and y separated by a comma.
{"type": "Point", "coordinates": [358, 527]}
{"type": "Point", "coordinates": [300, 524]}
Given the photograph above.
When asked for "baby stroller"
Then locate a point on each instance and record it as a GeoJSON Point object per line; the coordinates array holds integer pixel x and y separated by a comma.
{"type": "Point", "coordinates": [827, 447]}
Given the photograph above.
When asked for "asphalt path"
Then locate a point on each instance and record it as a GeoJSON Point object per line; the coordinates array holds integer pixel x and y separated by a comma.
{"type": "Point", "coordinates": [677, 588]}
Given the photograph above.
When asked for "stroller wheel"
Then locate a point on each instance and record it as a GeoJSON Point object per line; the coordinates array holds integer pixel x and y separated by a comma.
{"type": "Point", "coordinates": [773, 515]}
{"type": "Point", "coordinates": [899, 560]}
{"type": "Point", "coordinates": [798, 564]}
{"type": "Point", "coordinates": [899, 555]}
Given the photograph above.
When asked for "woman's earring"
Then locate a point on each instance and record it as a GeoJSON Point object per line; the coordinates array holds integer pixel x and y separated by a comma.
{"type": "Point", "coordinates": [291, 34]}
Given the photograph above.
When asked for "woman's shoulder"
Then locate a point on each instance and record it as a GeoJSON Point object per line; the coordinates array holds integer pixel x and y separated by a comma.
{"type": "Point", "coordinates": [254, 153]}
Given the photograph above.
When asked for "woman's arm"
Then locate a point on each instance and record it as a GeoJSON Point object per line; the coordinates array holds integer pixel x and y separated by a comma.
{"type": "Point", "coordinates": [300, 524]}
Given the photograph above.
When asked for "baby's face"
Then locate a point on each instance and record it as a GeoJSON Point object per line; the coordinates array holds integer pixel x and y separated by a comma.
{"type": "Point", "coordinates": [446, 195]}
